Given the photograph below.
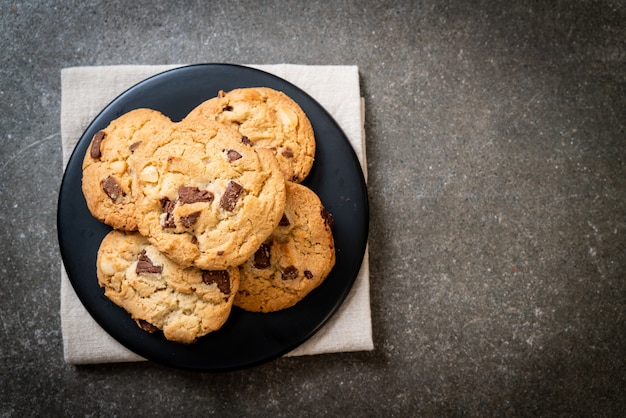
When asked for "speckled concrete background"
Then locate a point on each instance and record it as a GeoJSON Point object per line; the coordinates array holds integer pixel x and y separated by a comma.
{"type": "Point", "coordinates": [497, 177]}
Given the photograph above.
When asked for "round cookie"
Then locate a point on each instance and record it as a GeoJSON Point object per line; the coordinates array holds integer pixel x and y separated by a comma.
{"type": "Point", "coordinates": [185, 303]}
{"type": "Point", "coordinates": [208, 198]}
{"type": "Point", "coordinates": [296, 258]}
{"type": "Point", "coordinates": [107, 181]}
{"type": "Point", "coordinates": [269, 119]}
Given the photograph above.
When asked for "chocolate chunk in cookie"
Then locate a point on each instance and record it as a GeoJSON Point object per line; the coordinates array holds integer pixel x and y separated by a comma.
{"type": "Point", "coordinates": [232, 155]}
{"type": "Point", "coordinates": [220, 277]}
{"type": "Point", "coordinates": [188, 220]}
{"type": "Point", "coordinates": [262, 257]}
{"type": "Point", "coordinates": [167, 207]}
{"type": "Point", "coordinates": [290, 273]}
{"type": "Point", "coordinates": [95, 144]}
{"type": "Point", "coordinates": [188, 195]}
{"type": "Point", "coordinates": [231, 195]}
{"type": "Point", "coordinates": [145, 265]}
{"type": "Point", "coordinates": [112, 188]}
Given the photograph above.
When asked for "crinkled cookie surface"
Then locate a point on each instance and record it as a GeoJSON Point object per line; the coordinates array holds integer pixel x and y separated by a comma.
{"type": "Point", "coordinates": [208, 197]}
{"type": "Point", "coordinates": [296, 258]}
{"type": "Point", "coordinates": [269, 119]}
{"type": "Point", "coordinates": [185, 303]}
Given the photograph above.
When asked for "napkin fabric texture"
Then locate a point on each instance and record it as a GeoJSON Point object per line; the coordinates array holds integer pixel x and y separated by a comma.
{"type": "Point", "coordinates": [87, 90]}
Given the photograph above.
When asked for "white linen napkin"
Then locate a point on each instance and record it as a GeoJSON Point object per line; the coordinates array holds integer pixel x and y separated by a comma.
{"type": "Point", "coordinates": [87, 90]}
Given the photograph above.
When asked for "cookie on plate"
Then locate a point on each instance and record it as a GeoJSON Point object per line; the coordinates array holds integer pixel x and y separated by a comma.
{"type": "Point", "coordinates": [107, 181]}
{"type": "Point", "coordinates": [185, 303]}
{"type": "Point", "coordinates": [296, 258]}
{"type": "Point", "coordinates": [269, 119]}
{"type": "Point", "coordinates": [208, 198]}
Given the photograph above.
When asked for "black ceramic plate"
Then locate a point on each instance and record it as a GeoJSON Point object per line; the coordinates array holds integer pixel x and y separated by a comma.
{"type": "Point", "coordinates": [247, 339]}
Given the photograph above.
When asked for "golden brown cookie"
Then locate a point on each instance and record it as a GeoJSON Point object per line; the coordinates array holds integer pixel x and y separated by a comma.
{"type": "Point", "coordinates": [208, 198]}
{"type": "Point", "coordinates": [185, 303]}
{"type": "Point", "coordinates": [269, 119]}
{"type": "Point", "coordinates": [296, 258]}
{"type": "Point", "coordinates": [107, 181]}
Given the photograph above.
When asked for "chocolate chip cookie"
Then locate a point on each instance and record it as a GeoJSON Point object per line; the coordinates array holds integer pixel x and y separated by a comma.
{"type": "Point", "coordinates": [207, 197]}
{"type": "Point", "coordinates": [184, 303]}
{"type": "Point", "coordinates": [108, 179]}
{"type": "Point", "coordinates": [296, 258]}
{"type": "Point", "coordinates": [269, 119]}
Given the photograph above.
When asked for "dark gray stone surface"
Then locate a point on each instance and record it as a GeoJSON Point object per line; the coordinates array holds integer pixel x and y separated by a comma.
{"type": "Point", "coordinates": [497, 177]}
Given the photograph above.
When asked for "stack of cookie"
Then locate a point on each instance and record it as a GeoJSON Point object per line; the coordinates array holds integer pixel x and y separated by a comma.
{"type": "Point", "coordinates": [208, 212]}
